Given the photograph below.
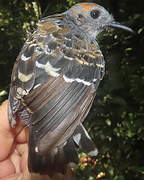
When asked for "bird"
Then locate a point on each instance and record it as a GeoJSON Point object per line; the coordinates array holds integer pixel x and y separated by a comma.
{"type": "Point", "coordinates": [54, 82]}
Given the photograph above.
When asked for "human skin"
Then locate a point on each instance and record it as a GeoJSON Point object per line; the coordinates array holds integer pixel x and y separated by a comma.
{"type": "Point", "coordinates": [14, 151]}
{"type": "Point", "coordinates": [13, 148]}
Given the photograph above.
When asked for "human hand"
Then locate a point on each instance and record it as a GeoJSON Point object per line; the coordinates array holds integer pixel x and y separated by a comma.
{"type": "Point", "coordinates": [13, 149]}
{"type": "Point", "coordinates": [14, 152]}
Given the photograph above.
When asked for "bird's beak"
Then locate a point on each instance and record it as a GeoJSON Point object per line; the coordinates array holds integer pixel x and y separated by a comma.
{"type": "Point", "coordinates": [118, 25]}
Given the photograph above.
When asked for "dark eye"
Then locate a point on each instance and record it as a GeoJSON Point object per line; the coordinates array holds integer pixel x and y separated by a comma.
{"type": "Point", "coordinates": [94, 14]}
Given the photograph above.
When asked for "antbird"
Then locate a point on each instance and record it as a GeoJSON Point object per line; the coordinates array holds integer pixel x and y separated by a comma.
{"type": "Point", "coordinates": [53, 85]}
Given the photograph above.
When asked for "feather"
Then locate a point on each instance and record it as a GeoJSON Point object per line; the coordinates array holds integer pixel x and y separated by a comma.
{"type": "Point", "coordinates": [53, 86]}
{"type": "Point", "coordinates": [83, 140]}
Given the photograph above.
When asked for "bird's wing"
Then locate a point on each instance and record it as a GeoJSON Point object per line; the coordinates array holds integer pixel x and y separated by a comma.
{"type": "Point", "coordinates": [53, 86]}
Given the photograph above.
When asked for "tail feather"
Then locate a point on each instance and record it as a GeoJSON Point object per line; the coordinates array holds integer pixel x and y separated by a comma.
{"type": "Point", "coordinates": [61, 156]}
{"type": "Point", "coordinates": [55, 161]}
{"type": "Point", "coordinates": [83, 140]}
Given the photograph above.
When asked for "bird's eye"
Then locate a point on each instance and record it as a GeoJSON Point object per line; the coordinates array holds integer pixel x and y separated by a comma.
{"type": "Point", "coordinates": [94, 14]}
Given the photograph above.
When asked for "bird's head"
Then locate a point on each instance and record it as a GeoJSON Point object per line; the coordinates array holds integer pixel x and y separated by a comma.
{"type": "Point", "coordinates": [93, 18]}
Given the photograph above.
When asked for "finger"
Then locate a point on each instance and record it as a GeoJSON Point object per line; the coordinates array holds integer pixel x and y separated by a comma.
{"type": "Point", "coordinates": [6, 168]}
{"type": "Point", "coordinates": [6, 137]}
{"type": "Point", "coordinates": [9, 135]}
{"type": "Point", "coordinates": [16, 159]}
{"type": "Point", "coordinates": [22, 149]}
{"type": "Point", "coordinates": [22, 137]}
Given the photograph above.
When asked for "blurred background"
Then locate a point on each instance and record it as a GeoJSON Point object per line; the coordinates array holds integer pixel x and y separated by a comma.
{"type": "Point", "coordinates": [116, 120]}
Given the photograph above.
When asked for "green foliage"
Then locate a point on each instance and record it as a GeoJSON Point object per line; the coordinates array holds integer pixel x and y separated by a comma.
{"type": "Point", "coordinates": [116, 120]}
{"type": "Point", "coordinates": [17, 18]}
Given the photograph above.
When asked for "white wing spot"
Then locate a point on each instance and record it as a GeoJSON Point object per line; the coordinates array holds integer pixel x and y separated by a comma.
{"type": "Point", "coordinates": [36, 86]}
{"type": "Point", "coordinates": [77, 138]}
{"type": "Point", "coordinates": [21, 92]}
{"type": "Point", "coordinates": [68, 39]}
{"type": "Point", "coordinates": [36, 149]}
{"type": "Point", "coordinates": [77, 79]}
{"type": "Point", "coordinates": [51, 35]}
{"type": "Point", "coordinates": [93, 153]}
{"type": "Point", "coordinates": [68, 79]}
{"type": "Point", "coordinates": [69, 58]}
{"type": "Point", "coordinates": [51, 70]}
{"type": "Point", "coordinates": [24, 77]}
{"type": "Point", "coordinates": [86, 133]}
{"type": "Point", "coordinates": [39, 65]}
{"type": "Point", "coordinates": [94, 80]}
{"type": "Point", "coordinates": [24, 58]}
{"type": "Point", "coordinates": [83, 81]}
{"type": "Point", "coordinates": [65, 143]}
{"type": "Point", "coordinates": [100, 65]}
{"type": "Point", "coordinates": [47, 50]}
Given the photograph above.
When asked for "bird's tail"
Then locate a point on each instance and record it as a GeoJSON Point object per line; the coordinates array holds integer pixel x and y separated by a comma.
{"type": "Point", "coordinates": [61, 156]}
